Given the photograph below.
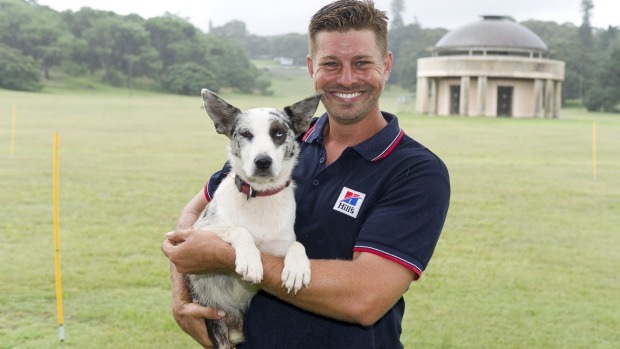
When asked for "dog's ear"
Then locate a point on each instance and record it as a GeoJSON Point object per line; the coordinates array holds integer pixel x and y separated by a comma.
{"type": "Point", "coordinates": [302, 112]}
{"type": "Point", "coordinates": [222, 113]}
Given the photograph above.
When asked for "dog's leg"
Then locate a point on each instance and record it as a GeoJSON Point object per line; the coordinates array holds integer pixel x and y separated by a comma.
{"type": "Point", "coordinates": [218, 333]}
{"type": "Point", "coordinates": [248, 263]}
{"type": "Point", "coordinates": [235, 332]}
{"type": "Point", "coordinates": [296, 272]}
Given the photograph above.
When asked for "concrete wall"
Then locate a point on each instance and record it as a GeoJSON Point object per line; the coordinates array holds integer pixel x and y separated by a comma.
{"type": "Point", "coordinates": [491, 66]}
{"type": "Point", "coordinates": [536, 84]}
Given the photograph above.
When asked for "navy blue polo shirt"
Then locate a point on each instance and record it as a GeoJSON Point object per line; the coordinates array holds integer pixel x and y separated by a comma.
{"type": "Point", "coordinates": [387, 196]}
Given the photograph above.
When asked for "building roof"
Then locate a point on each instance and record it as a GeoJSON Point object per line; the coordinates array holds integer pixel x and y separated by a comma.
{"type": "Point", "coordinates": [494, 32]}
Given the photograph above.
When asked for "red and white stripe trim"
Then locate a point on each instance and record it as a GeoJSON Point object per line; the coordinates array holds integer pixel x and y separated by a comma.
{"type": "Point", "coordinates": [417, 270]}
{"type": "Point", "coordinates": [206, 192]}
{"type": "Point", "coordinates": [391, 147]}
{"type": "Point", "coordinates": [309, 132]}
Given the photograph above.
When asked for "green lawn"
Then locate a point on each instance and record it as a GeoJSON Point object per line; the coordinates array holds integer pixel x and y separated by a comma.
{"type": "Point", "coordinates": [528, 258]}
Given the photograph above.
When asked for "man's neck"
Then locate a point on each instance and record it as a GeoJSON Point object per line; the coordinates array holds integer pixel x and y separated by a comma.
{"type": "Point", "coordinates": [338, 136]}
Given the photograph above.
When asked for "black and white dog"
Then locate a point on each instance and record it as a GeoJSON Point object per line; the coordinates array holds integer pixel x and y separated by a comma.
{"type": "Point", "coordinates": [253, 208]}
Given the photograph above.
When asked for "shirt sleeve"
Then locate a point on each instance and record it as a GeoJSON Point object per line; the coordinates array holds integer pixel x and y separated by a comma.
{"type": "Point", "coordinates": [405, 224]}
{"type": "Point", "coordinates": [215, 181]}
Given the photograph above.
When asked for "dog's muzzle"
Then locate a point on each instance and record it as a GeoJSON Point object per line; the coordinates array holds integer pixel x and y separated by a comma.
{"type": "Point", "coordinates": [263, 165]}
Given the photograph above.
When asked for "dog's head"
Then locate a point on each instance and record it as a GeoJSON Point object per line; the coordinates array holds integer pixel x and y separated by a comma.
{"type": "Point", "coordinates": [262, 147]}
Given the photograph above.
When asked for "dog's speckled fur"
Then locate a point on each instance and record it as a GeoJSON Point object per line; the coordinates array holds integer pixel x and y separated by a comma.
{"type": "Point", "coordinates": [262, 152]}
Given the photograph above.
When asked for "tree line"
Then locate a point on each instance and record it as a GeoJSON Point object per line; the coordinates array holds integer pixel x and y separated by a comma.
{"type": "Point", "coordinates": [36, 40]}
{"type": "Point", "coordinates": [180, 58]}
{"type": "Point", "coordinates": [591, 55]}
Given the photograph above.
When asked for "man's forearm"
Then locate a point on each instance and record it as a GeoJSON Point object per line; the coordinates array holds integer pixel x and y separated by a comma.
{"type": "Point", "coordinates": [358, 291]}
{"type": "Point", "coordinates": [189, 216]}
{"type": "Point", "coordinates": [192, 211]}
{"type": "Point", "coordinates": [180, 291]}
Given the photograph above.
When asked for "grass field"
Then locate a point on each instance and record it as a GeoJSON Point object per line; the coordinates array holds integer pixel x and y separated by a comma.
{"type": "Point", "coordinates": [529, 257]}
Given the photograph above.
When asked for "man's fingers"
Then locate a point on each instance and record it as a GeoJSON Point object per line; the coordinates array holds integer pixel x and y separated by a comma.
{"type": "Point", "coordinates": [173, 238]}
{"type": "Point", "coordinates": [176, 237]}
{"type": "Point", "coordinates": [212, 313]}
{"type": "Point", "coordinates": [165, 247]}
{"type": "Point", "coordinates": [191, 318]}
{"type": "Point", "coordinates": [199, 311]}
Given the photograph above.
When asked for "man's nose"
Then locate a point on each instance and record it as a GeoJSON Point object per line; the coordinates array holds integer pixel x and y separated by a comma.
{"type": "Point", "coordinates": [347, 75]}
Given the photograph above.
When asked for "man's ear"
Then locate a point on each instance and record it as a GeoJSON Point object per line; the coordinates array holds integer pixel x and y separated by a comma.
{"type": "Point", "coordinates": [302, 112]}
{"type": "Point", "coordinates": [222, 113]}
{"type": "Point", "coordinates": [310, 65]}
{"type": "Point", "coordinates": [387, 64]}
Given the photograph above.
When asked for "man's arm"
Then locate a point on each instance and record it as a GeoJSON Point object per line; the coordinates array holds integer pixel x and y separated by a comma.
{"type": "Point", "coordinates": [188, 315]}
{"type": "Point", "coordinates": [360, 291]}
{"type": "Point", "coordinates": [191, 211]}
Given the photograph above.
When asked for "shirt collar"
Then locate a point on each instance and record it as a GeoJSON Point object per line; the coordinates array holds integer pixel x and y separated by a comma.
{"type": "Point", "coordinates": [375, 148]}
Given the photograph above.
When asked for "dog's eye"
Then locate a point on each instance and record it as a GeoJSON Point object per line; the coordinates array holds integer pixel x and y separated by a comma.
{"type": "Point", "coordinates": [278, 133]}
{"type": "Point", "coordinates": [247, 134]}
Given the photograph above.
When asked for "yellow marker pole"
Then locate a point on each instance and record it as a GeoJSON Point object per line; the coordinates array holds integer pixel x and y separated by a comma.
{"type": "Point", "coordinates": [12, 146]}
{"type": "Point", "coordinates": [61, 332]}
{"type": "Point", "coordinates": [594, 150]}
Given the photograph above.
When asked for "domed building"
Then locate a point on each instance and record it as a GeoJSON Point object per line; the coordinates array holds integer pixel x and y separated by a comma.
{"type": "Point", "coordinates": [493, 67]}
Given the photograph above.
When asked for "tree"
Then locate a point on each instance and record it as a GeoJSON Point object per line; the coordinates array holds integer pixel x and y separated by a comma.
{"type": "Point", "coordinates": [584, 66]}
{"type": "Point", "coordinates": [291, 45]}
{"type": "Point", "coordinates": [585, 30]}
{"type": "Point", "coordinates": [120, 45]}
{"type": "Point", "coordinates": [80, 57]}
{"type": "Point", "coordinates": [230, 63]}
{"type": "Point", "coordinates": [254, 45]}
{"type": "Point", "coordinates": [398, 7]}
{"type": "Point", "coordinates": [234, 30]}
{"type": "Point", "coordinates": [605, 93]}
{"type": "Point", "coordinates": [176, 40]}
{"type": "Point", "coordinates": [189, 79]}
{"type": "Point", "coordinates": [17, 71]}
{"type": "Point", "coordinates": [36, 31]}
{"type": "Point", "coordinates": [407, 45]}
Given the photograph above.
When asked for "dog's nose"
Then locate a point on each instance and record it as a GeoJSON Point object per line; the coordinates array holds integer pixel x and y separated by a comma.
{"type": "Point", "coordinates": [263, 162]}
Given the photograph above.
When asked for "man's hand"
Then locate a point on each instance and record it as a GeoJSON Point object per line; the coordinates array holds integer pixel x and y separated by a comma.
{"type": "Point", "coordinates": [181, 247]}
{"type": "Point", "coordinates": [191, 318]}
{"type": "Point", "coordinates": [198, 252]}
{"type": "Point", "coordinates": [194, 252]}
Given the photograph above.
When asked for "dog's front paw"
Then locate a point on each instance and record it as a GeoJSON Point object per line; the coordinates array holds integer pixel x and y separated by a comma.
{"type": "Point", "coordinates": [248, 265]}
{"type": "Point", "coordinates": [296, 273]}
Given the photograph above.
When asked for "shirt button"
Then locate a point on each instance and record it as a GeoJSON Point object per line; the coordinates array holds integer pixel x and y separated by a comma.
{"type": "Point", "coordinates": [322, 160]}
{"type": "Point", "coordinates": [315, 182]}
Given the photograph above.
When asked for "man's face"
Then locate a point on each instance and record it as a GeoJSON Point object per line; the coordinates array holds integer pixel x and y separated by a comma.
{"type": "Point", "coordinates": [351, 71]}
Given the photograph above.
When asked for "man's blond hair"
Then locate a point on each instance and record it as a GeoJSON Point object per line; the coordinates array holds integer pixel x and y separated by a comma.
{"type": "Point", "coordinates": [344, 15]}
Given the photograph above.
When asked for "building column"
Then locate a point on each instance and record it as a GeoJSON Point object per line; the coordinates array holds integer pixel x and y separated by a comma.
{"type": "Point", "coordinates": [482, 95]}
{"type": "Point", "coordinates": [432, 103]}
{"type": "Point", "coordinates": [538, 97]}
{"type": "Point", "coordinates": [422, 96]}
{"type": "Point", "coordinates": [558, 99]}
{"type": "Point", "coordinates": [464, 97]}
{"type": "Point", "coordinates": [549, 99]}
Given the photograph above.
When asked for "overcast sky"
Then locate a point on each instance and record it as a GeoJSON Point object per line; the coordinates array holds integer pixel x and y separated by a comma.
{"type": "Point", "coordinates": [272, 17]}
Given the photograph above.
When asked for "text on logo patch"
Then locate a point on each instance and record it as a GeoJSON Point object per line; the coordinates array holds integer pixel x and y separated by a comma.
{"type": "Point", "coordinates": [349, 202]}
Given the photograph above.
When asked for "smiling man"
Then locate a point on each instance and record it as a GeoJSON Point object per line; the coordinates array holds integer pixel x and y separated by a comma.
{"type": "Point", "coordinates": [371, 204]}
{"type": "Point", "coordinates": [351, 72]}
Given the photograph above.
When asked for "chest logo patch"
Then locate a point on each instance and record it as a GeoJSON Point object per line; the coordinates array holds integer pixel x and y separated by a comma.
{"type": "Point", "coordinates": [349, 202]}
